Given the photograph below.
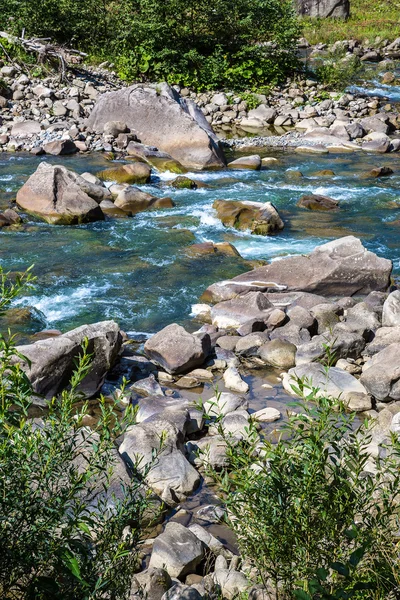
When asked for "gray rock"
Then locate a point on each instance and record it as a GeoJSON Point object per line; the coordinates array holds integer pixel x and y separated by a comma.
{"type": "Point", "coordinates": [232, 583]}
{"type": "Point", "coordinates": [26, 128]}
{"type": "Point", "coordinates": [167, 407]}
{"type": "Point", "coordinates": [252, 163]}
{"type": "Point", "coordinates": [327, 316]}
{"type": "Point", "coordinates": [383, 338]}
{"type": "Point", "coordinates": [114, 128]}
{"type": "Point", "coordinates": [301, 317]}
{"type": "Point", "coordinates": [170, 475]}
{"type": "Point", "coordinates": [234, 382]}
{"type": "Point", "coordinates": [176, 350]}
{"type": "Point", "coordinates": [391, 310]}
{"type": "Point", "coordinates": [159, 117]}
{"type": "Point", "coordinates": [339, 344]}
{"type": "Point", "coordinates": [291, 333]}
{"type": "Point", "coordinates": [233, 313]}
{"type": "Point", "coordinates": [334, 383]}
{"type": "Point", "coordinates": [60, 147]}
{"type": "Point", "coordinates": [342, 267]}
{"type": "Point", "coordinates": [361, 319]}
{"type": "Point", "coordinates": [177, 550]}
{"type": "Point", "coordinates": [260, 218]}
{"type": "Point", "coordinates": [381, 374]}
{"type": "Point", "coordinates": [278, 353]}
{"type": "Point", "coordinates": [208, 451]}
{"type": "Point", "coordinates": [249, 344]}
{"type": "Point", "coordinates": [53, 359]}
{"type": "Point", "coordinates": [153, 583]}
{"type": "Point", "coordinates": [182, 592]}
{"type": "Point", "coordinates": [211, 542]}
{"type": "Point", "coordinates": [224, 403]}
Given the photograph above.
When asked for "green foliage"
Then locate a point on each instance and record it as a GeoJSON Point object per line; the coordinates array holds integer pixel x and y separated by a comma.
{"type": "Point", "coordinates": [251, 100]}
{"type": "Point", "coordinates": [63, 512]}
{"type": "Point", "coordinates": [240, 45]}
{"type": "Point", "coordinates": [338, 73]}
{"type": "Point", "coordinates": [308, 513]}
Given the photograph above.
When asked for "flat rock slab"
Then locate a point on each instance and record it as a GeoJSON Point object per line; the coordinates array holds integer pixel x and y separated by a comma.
{"type": "Point", "coordinates": [178, 550]}
{"type": "Point", "coordinates": [342, 267]}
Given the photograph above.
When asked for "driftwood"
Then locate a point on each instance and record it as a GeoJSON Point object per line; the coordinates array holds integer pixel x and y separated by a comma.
{"type": "Point", "coordinates": [45, 51]}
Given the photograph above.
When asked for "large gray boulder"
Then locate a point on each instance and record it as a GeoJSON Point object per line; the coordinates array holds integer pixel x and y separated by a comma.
{"type": "Point", "coordinates": [52, 360]}
{"type": "Point", "coordinates": [177, 550]}
{"type": "Point", "coordinates": [155, 446]}
{"type": "Point", "coordinates": [176, 350]}
{"type": "Point", "coordinates": [381, 374]}
{"type": "Point", "coordinates": [159, 117]}
{"type": "Point", "coordinates": [60, 197]}
{"type": "Point", "coordinates": [339, 9]}
{"type": "Point", "coordinates": [342, 267]}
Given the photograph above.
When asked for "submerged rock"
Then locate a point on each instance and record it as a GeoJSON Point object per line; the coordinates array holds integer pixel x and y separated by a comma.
{"type": "Point", "coordinates": [136, 172]}
{"type": "Point", "coordinates": [247, 163]}
{"type": "Point", "coordinates": [261, 218]}
{"type": "Point", "coordinates": [54, 194]}
{"type": "Point", "coordinates": [315, 202]}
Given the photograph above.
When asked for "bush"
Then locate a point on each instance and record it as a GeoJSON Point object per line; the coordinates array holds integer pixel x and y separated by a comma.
{"type": "Point", "coordinates": [309, 514]}
{"type": "Point", "coordinates": [63, 513]}
{"type": "Point", "coordinates": [338, 73]}
{"type": "Point", "coordinates": [242, 44]}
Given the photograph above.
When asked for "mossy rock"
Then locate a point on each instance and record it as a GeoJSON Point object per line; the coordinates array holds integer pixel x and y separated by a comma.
{"type": "Point", "coordinates": [184, 183]}
{"type": "Point", "coordinates": [166, 164]}
{"type": "Point", "coordinates": [136, 172]}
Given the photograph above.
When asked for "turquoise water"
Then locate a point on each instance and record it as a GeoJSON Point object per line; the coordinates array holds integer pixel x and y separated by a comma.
{"type": "Point", "coordinates": [137, 271]}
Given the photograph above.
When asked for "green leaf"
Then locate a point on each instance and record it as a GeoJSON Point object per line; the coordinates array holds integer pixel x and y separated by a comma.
{"type": "Point", "coordinates": [302, 595]}
{"type": "Point", "coordinates": [357, 555]}
{"type": "Point", "coordinates": [72, 565]}
{"type": "Point", "coordinates": [340, 568]}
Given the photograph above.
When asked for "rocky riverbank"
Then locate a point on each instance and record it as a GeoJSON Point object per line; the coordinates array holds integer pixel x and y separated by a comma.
{"type": "Point", "coordinates": [336, 308]}
{"type": "Point", "coordinates": [53, 116]}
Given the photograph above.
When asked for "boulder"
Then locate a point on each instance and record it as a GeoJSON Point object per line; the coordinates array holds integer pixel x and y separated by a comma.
{"type": "Point", "coordinates": [170, 409]}
{"type": "Point", "coordinates": [381, 374]}
{"type": "Point", "coordinates": [177, 550]}
{"type": "Point", "coordinates": [136, 172]}
{"type": "Point", "coordinates": [339, 343]}
{"type": "Point", "coordinates": [384, 337]}
{"type": "Point", "coordinates": [342, 267]}
{"type": "Point", "coordinates": [114, 128]}
{"type": "Point", "coordinates": [132, 201]}
{"type": "Point", "coordinates": [208, 451]}
{"type": "Point", "coordinates": [52, 360]}
{"type": "Point", "coordinates": [53, 193]}
{"type": "Point", "coordinates": [266, 415]}
{"type": "Point", "coordinates": [60, 147]}
{"type": "Point", "coordinates": [159, 117]}
{"type": "Point", "coordinates": [234, 382]}
{"type": "Point", "coordinates": [391, 310]}
{"type": "Point", "coordinates": [232, 583]}
{"type": "Point", "coordinates": [261, 218]}
{"type": "Point", "coordinates": [279, 354]}
{"type": "Point", "coordinates": [155, 448]}
{"type": "Point", "coordinates": [183, 592]}
{"type": "Point", "coordinates": [224, 403]}
{"type": "Point", "coordinates": [246, 163]}
{"type": "Point", "coordinates": [26, 128]}
{"type": "Point", "coordinates": [315, 202]}
{"type": "Point", "coordinates": [233, 313]}
{"type": "Point", "coordinates": [176, 350]}
{"type": "Point", "coordinates": [333, 383]}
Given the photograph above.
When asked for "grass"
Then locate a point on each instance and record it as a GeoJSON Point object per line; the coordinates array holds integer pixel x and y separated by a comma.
{"type": "Point", "coordinates": [369, 19]}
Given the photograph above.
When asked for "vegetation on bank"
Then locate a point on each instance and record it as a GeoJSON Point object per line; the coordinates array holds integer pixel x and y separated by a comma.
{"type": "Point", "coordinates": [67, 528]}
{"type": "Point", "coordinates": [368, 20]}
{"type": "Point", "coordinates": [205, 45]}
{"type": "Point", "coordinates": [315, 513]}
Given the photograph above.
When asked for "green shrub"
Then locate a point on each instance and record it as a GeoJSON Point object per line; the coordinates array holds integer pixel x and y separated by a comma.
{"type": "Point", "coordinates": [308, 514]}
{"type": "Point", "coordinates": [338, 74]}
{"type": "Point", "coordinates": [63, 513]}
{"type": "Point", "coordinates": [238, 45]}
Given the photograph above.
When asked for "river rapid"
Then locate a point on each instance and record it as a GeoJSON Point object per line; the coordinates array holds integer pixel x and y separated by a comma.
{"type": "Point", "coordinates": [137, 270]}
